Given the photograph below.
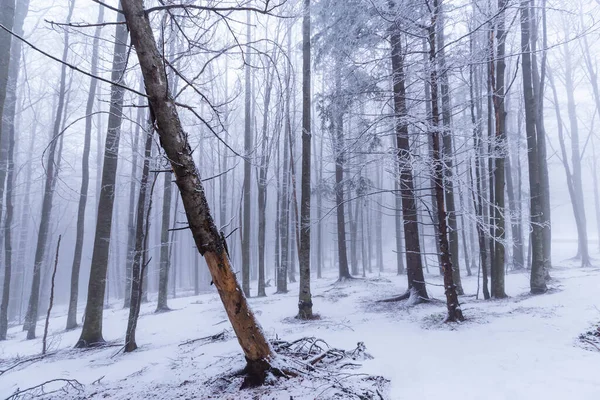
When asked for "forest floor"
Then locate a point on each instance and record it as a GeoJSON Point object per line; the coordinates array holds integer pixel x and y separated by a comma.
{"type": "Point", "coordinates": [522, 347]}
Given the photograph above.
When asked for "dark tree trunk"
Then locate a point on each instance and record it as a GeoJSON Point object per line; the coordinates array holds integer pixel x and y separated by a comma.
{"type": "Point", "coordinates": [448, 152]}
{"type": "Point", "coordinates": [91, 334]}
{"type": "Point", "coordinates": [85, 180]}
{"type": "Point", "coordinates": [538, 276]}
{"type": "Point", "coordinates": [414, 261]}
{"type": "Point", "coordinates": [498, 269]}
{"type": "Point", "coordinates": [454, 310]}
{"type": "Point", "coordinates": [141, 237]}
{"type": "Point", "coordinates": [344, 272]}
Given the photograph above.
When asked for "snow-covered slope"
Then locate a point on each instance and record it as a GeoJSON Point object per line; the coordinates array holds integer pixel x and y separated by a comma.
{"type": "Point", "coordinates": [523, 347]}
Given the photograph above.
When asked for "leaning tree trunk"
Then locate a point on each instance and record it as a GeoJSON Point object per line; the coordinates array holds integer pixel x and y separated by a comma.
{"type": "Point", "coordinates": [206, 236]}
{"type": "Point", "coordinates": [51, 176]}
{"type": "Point", "coordinates": [454, 310]}
{"type": "Point", "coordinates": [85, 180]}
{"type": "Point", "coordinates": [141, 236]}
{"type": "Point", "coordinates": [538, 276]}
{"type": "Point", "coordinates": [7, 119]}
{"type": "Point", "coordinates": [91, 334]}
{"type": "Point", "coordinates": [412, 245]}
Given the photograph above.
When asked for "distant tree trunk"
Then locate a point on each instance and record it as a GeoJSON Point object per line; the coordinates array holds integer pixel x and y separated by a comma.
{"type": "Point", "coordinates": [454, 310]}
{"type": "Point", "coordinates": [399, 225]}
{"type": "Point", "coordinates": [7, 18]}
{"type": "Point", "coordinates": [448, 152]}
{"type": "Point", "coordinates": [414, 262]}
{"type": "Point", "coordinates": [498, 269]}
{"type": "Point", "coordinates": [518, 257]}
{"type": "Point", "coordinates": [246, 228]}
{"type": "Point", "coordinates": [284, 193]}
{"type": "Point", "coordinates": [141, 237]}
{"type": "Point", "coordinates": [210, 244]}
{"type": "Point", "coordinates": [91, 334]}
{"type": "Point", "coordinates": [7, 119]}
{"type": "Point", "coordinates": [50, 184]}
{"type": "Point", "coordinates": [163, 282]}
{"type": "Point", "coordinates": [538, 94]}
{"type": "Point", "coordinates": [344, 272]}
{"type": "Point", "coordinates": [538, 276]}
{"type": "Point", "coordinates": [85, 179]}
{"type": "Point", "coordinates": [131, 212]}
{"type": "Point", "coordinates": [477, 183]}
{"type": "Point", "coordinates": [577, 193]}
{"type": "Point", "coordinates": [596, 194]}
{"type": "Point", "coordinates": [262, 182]}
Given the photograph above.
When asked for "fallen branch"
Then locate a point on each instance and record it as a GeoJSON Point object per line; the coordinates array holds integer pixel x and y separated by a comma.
{"type": "Point", "coordinates": [217, 337]}
{"type": "Point", "coordinates": [39, 390]}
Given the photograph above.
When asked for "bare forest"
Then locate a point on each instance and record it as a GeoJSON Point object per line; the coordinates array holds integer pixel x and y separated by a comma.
{"type": "Point", "coordinates": [296, 199]}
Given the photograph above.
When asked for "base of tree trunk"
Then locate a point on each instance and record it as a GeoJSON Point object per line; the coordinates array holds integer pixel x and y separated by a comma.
{"type": "Point", "coordinates": [71, 327]}
{"type": "Point", "coordinates": [90, 342]}
{"type": "Point", "coordinates": [162, 309]}
{"type": "Point", "coordinates": [282, 292]}
{"type": "Point", "coordinates": [256, 373]}
{"type": "Point", "coordinates": [538, 290]}
{"type": "Point", "coordinates": [343, 279]}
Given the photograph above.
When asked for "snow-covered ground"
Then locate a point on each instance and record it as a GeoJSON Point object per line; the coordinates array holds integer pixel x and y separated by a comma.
{"type": "Point", "coordinates": [524, 347]}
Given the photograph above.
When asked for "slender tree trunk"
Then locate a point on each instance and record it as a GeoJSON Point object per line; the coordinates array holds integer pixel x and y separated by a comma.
{"type": "Point", "coordinates": [7, 19]}
{"type": "Point", "coordinates": [85, 180]}
{"type": "Point", "coordinates": [50, 184]}
{"type": "Point", "coordinates": [344, 272]}
{"type": "Point", "coordinates": [246, 228]}
{"type": "Point", "coordinates": [538, 276]}
{"type": "Point", "coordinates": [210, 244]}
{"type": "Point", "coordinates": [141, 237]}
{"type": "Point", "coordinates": [448, 153]}
{"type": "Point", "coordinates": [414, 261]}
{"type": "Point", "coordinates": [454, 310]}
{"type": "Point", "coordinates": [131, 212]}
{"type": "Point", "coordinates": [498, 269]}
{"type": "Point", "coordinates": [305, 298]}
{"type": "Point", "coordinates": [91, 334]}
{"type": "Point", "coordinates": [577, 194]}
{"type": "Point", "coordinates": [7, 119]}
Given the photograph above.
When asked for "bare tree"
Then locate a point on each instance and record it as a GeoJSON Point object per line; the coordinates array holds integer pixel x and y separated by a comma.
{"type": "Point", "coordinates": [305, 298]}
{"type": "Point", "coordinates": [91, 334]}
{"type": "Point", "coordinates": [210, 244]}
{"type": "Point", "coordinates": [85, 178]}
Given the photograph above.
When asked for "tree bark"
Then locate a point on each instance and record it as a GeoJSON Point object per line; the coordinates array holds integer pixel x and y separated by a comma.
{"type": "Point", "coordinates": [454, 310]}
{"type": "Point", "coordinates": [85, 179]}
{"type": "Point", "coordinates": [206, 236]}
{"type": "Point", "coordinates": [498, 269]}
{"type": "Point", "coordinates": [414, 261]}
{"type": "Point", "coordinates": [538, 276]}
{"type": "Point", "coordinates": [91, 334]}
{"type": "Point", "coordinates": [7, 18]}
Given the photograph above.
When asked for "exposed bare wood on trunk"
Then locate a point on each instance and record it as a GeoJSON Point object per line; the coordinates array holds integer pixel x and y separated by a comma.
{"type": "Point", "coordinates": [206, 236]}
